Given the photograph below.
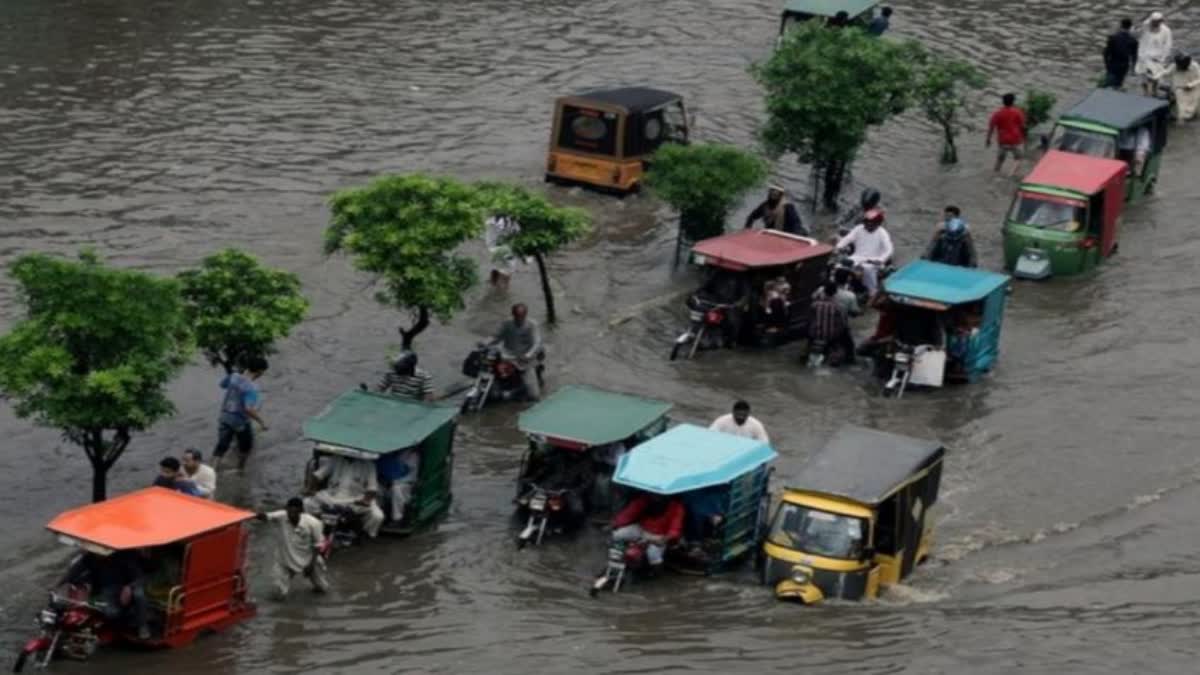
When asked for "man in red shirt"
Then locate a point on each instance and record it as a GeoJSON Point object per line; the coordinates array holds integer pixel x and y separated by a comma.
{"type": "Point", "coordinates": [1008, 124]}
{"type": "Point", "coordinates": [654, 519]}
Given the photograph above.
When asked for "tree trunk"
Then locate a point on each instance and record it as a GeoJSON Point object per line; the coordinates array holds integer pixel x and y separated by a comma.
{"type": "Point", "coordinates": [835, 173]}
{"type": "Point", "coordinates": [949, 149]}
{"type": "Point", "coordinates": [422, 322]}
{"type": "Point", "coordinates": [99, 482]}
{"type": "Point", "coordinates": [548, 294]}
{"type": "Point", "coordinates": [103, 454]}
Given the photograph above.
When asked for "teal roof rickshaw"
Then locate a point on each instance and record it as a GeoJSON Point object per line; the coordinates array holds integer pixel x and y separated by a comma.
{"type": "Point", "coordinates": [860, 12]}
{"type": "Point", "coordinates": [722, 482]}
{"type": "Point", "coordinates": [945, 324]}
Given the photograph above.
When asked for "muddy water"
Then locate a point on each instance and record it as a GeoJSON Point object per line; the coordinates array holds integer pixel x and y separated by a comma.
{"type": "Point", "coordinates": [158, 132]}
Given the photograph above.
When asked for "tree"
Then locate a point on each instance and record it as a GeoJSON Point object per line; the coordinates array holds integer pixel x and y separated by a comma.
{"type": "Point", "coordinates": [94, 353]}
{"type": "Point", "coordinates": [544, 227]}
{"type": "Point", "coordinates": [704, 182]}
{"type": "Point", "coordinates": [824, 87]}
{"type": "Point", "coordinates": [406, 229]}
{"type": "Point", "coordinates": [1038, 106]}
{"type": "Point", "coordinates": [237, 308]}
{"type": "Point", "coordinates": [941, 91]}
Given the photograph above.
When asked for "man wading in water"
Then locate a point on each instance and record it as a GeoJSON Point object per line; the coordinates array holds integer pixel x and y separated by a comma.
{"type": "Point", "coordinates": [777, 213]}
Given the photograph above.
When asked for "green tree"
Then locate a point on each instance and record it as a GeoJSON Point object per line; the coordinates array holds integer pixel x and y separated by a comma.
{"type": "Point", "coordinates": [1038, 106]}
{"type": "Point", "coordinates": [941, 89]}
{"type": "Point", "coordinates": [824, 88]}
{"type": "Point", "coordinates": [238, 308]}
{"type": "Point", "coordinates": [94, 353]}
{"type": "Point", "coordinates": [544, 227]}
{"type": "Point", "coordinates": [406, 229]}
{"type": "Point", "coordinates": [704, 182]}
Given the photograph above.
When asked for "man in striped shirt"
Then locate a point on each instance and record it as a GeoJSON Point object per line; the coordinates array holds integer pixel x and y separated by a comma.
{"type": "Point", "coordinates": [829, 324]}
{"type": "Point", "coordinates": [405, 379]}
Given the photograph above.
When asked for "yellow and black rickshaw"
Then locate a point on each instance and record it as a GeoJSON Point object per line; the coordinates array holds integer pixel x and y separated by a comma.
{"type": "Point", "coordinates": [857, 520]}
{"type": "Point", "coordinates": [603, 138]}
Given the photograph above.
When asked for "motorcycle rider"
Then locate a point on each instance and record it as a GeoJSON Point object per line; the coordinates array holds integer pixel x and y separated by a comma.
{"type": "Point", "coordinates": [118, 580]}
{"type": "Point", "coordinates": [405, 379]}
{"type": "Point", "coordinates": [872, 248]}
{"type": "Point", "coordinates": [952, 243]}
{"type": "Point", "coordinates": [652, 518]}
{"type": "Point", "coordinates": [869, 199]}
{"type": "Point", "coordinates": [352, 483]}
{"type": "Point", "coordinates": [777, 213]}
{"type": "Point", "coordinates": [520, 341]}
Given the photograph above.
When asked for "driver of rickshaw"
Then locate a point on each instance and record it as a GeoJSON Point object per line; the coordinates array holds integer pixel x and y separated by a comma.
{"type": "Point", "coordinates": [561, 469]}
{"type": "Point", "coordinates": [652, 518]}
{"type": "Point", "coordinates": [351, 483]}
{"type": "Point", "coordinates": [733, 290]}
{"type": "Point", "coordinates": [118, 581]}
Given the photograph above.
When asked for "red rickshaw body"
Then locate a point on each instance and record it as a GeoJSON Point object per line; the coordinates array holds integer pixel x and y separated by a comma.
{"type": "Point", "coordinates": [1088, 176]}
{"type": "Point", "coordinates": [755, 249]}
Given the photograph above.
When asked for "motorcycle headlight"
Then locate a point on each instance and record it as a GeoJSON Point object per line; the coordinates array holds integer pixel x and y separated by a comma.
{"type": "Point", "coordinates": [800, 576]}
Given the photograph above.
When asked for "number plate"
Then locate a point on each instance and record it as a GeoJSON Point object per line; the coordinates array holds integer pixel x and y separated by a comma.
{"type": "Point", "coordinates": [538, 503]}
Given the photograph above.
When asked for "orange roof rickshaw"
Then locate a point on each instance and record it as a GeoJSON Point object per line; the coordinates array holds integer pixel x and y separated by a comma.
{"type": "Point", "coordinates": [186, 563]}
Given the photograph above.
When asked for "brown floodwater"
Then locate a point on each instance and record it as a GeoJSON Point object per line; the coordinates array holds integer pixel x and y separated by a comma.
{"type": "Point", "coordinates": [160, 131]}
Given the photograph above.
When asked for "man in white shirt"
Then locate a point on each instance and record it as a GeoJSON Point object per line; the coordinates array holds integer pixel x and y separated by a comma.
{"type": "Point", "coordinates": [202, 475]}
{"type": "Point", "coordinates": [299, 549]}
{"type": "Point", "coordinates": [352, 483]}
{"type": "Point", "coordinates": [740, 423]}
{"type": "Point", "coordinates": [872, 247]}
{"type": "Point", "coordinates": [1155, 48]}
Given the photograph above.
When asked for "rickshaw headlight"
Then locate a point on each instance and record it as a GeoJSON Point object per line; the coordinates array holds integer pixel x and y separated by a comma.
{"type": "Point", "coordinates": [800, 576]}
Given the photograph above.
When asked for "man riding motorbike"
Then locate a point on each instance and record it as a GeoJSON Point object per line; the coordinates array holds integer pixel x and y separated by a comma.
{"type": "Point", "coordinates": [118, 580]}
{"type": "Point", "coordinates": [652, 518]}
{"type": "Point", "coordinates": [952, 243]}
{"type": "Point", "coordinates": [872, 248]}
{"type": "Point", "coordinates": [869, 199]}
{"type": "Point", "coordinates": [352, 484]}
{"type": "Point", "coordinates": [520, 341]}
{"type": "Point", "coordinates": [777, 213]}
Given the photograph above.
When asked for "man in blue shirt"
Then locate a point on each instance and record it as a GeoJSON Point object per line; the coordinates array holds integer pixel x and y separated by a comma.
{"type": "Point", "coordinates": [880, 24]}
{"type": "Point", "coordinates": [239, 407]}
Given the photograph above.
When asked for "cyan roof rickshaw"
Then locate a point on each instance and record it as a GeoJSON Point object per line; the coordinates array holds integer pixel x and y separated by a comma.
{"type": "Point", "coordinates": [722, 481]}
{"type": "Point", "coordinates": [856, 518]}
{"type": "Point", "coordinates": [383, 429]}
{"type": "Point", "coordinates": [945, 323]}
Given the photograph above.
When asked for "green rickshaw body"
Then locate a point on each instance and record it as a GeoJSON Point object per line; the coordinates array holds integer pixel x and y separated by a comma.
{"type": "Point", "coordinates": [861, 12]}
{"type": "Point", "coordinates": [1106, 124]}
{"type": "Point", "coordinates": [385, 430]}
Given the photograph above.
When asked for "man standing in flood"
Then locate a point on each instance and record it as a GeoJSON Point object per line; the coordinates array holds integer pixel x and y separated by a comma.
{"type": "Point", "coordinates": [1007, 125]}
{"type": "Point", "coordinates": [1120, 55]}
{"type": "Point", "coordinates": [777, 213]}
{"type": "Point", "coordinates": [238, 408]}
{"type": "Point", "coordinates": [298, 548]}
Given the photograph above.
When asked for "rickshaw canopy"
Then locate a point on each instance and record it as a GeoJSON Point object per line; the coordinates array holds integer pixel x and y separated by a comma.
{"type": "Point", "coordinates": [1083, 174]}
{"type": "Point", "coordinates": [149, 517]}
{"type": "Point", "coordinates": [376, 424]}
{"type": "Point", "coordinates": [753, 249]}
{"type": "Point", "coordinates": [688, 458]}
{"type": "Point", "coordinates": [829, 8]}
{"type": "Point", "coordinates": [629, 99]}
{"type": "Point", "coordinates": [1116, 109]}
{"type": "Point", "coordinates": [591, 417]}
{"type": "Point", "coordinates": [946, 284]}
{"type": "Point", "coordinates": [866, 465]}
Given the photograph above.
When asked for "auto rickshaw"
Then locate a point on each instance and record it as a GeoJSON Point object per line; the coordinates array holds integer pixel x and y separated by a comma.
{"type": "Point", "coordinates": [603, 138]}
{"type": "Point", "coordinates": [411, 444]}
{"type": "Point", "coordinates": [734, 304]}
{"type": "Point", "coordinates": [1065, 216]}
{"type": "Point", "coordinates": [937, 323]}
{"type": "Point", "coordinates": [191, 555]}
{"type": "Point", "coordinates": [1111, 124]}
{"type": "Point", "coordinates": [576, 436]}
{"type": "Point", "coordinates": [797, 11]}
{"type": "Point", "coordinates": [857, 519]}
{"type": "Point", "coordinates": [721, 481]}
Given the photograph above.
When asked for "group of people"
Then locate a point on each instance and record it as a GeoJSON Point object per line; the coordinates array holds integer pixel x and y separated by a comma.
{"type": "Point", "coordinates": [1151, 55]}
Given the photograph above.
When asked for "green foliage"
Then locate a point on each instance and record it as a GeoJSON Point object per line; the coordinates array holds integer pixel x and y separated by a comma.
{"type": "Point", "coordinates": [238, 308]}
{"type": "Point", "coordinates": [941, 90]}
{"type": "Point", "coordinates": [1038, 106]}
{"type": "Point", "coordinates": [704, 182]}
{"type": "Point", "coordinates": [406, 229]}
{"type": "Point", "coordinates": [94, 353]}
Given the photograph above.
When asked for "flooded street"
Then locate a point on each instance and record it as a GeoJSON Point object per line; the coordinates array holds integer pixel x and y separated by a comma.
{"type": "Point", "coordinates": [160, 131]}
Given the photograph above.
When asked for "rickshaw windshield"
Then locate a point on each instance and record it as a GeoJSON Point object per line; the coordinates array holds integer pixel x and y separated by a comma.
{"type": "Point", "coordinates": [1084, 142]}
{"type": "Point", "coordinates": [818, 532]}
{"type": "Point", "coordinates": [1048, 212]}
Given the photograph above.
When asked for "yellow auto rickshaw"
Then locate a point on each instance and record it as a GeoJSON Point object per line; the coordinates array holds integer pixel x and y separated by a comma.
{"type": "Point", "coordinates": [857, 520]}
{"type": "Point", "coordinates": [602, 139]}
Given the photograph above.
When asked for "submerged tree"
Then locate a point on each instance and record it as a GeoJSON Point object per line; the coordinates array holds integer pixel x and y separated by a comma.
{"type": "Point", "coordinates": [704, 182]}
{"type": "Point", "coordinates": [1038, 106]}
{"type": "Point", "coordinates": [238, 308]}
{"type": "Point", "coordinates": [543, 227]}
{"type": "Point", "coordinates": [825, 88]}
{"type": "Point", "coordinates": [94, 353]}
{"type": "Point", "coordinates": [941, 91]}
{"type": "Point", "coordinates": [407, 229]}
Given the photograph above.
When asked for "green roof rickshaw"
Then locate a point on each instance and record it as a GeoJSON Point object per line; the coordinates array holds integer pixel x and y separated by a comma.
{"type": "Point", "coordinates": [1115, 125]}
{"type": "Point", "coordinates": [576, 437]}
{"type": "Point", "coordinates": [410, 446]}
{"type": "Point", "coordinates": [860, 12]}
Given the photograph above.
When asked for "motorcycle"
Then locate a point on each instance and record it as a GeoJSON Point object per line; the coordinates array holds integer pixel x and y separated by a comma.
{"type": "Point", "coordinates": [496, 378]}
{"type": "Point", "coordinates": [543, 505]}
{"type": "Point", "coordinates": [706, 329]}
{"type": "Point", "coordinates": [343, 528]}
{"type": "Point", "coordinates": [623, 557]}
{"type": "Point", "coordinates": [902, 363]}
{"type": "Point", "coordinates": [70, 627]}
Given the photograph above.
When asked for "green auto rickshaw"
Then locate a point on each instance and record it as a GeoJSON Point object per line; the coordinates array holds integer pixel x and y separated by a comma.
{"type": "Point", "coordinates": [795, 12]}
{"type": "Point", "coordinates": [1115, 125]}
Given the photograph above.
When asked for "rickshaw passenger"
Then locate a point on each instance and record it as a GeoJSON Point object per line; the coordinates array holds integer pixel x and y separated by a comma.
{"type": "Point", "coordinates": [653, 518]}
{"type": "Point", "coordinates": [352, 483]}
{"type": "Point", "coordinates": [776, 294]}
{"type": "Point", "coordinates": [118, 580]}
{"type": "Point", "coordinates": [1133, 147]}
{"type": "Point", "coordinates": [704, 513]}
{"type": "Point", "coordinates": [916, 326]}
{"type": "Point", "coordinates": [397, 472]}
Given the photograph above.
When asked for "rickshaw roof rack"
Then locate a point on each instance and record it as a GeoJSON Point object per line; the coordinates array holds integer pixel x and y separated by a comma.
{"type": "Point", "coordinates": [946, 284]}
{"type": "Point", "coordinates": [632, 99]}
{"type": "Point", "coordinates": [376, 423]}
{"type": "Point", "coordinates": [829, 8]}
{"type": "Point", "coordinates": [152, 516]}
{"type": "Point", "coordinates": [1084, 174]}
{"type": "Point", "coordinates": [1116, 109]}
{"type": "Point", "coordinates": [591, 416]}
{"type": "Point", "coordinates": [752, 249]}
{"type": "Point", "coordinates": [688, 457]}
{"type": "Point", "coordinates": [866, 465]}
